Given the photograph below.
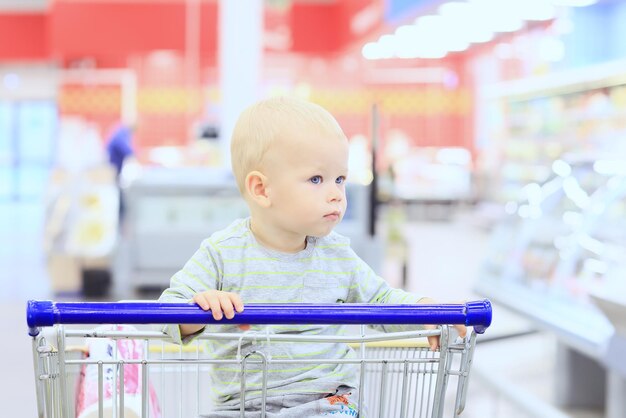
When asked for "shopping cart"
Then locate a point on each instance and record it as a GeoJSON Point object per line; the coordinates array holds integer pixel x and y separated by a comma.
{"type": "Point", "coordinates": [399, 376]}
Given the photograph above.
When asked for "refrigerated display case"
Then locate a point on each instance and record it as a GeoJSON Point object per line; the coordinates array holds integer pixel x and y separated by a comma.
{"type": "Point", "coordinates": [555, 145]}
{"type": "Point", "coordinates": [559, 250]}
{"type": "Point", "coordinates": [528, 250]}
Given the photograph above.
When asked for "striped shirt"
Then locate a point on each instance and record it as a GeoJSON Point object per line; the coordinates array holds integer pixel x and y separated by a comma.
{"type": "Point", "coordinates": [326, 271]}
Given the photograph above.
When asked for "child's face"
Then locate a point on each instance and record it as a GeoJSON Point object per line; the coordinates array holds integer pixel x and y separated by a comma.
{"type": "Point", "coordinates": [306, 183]}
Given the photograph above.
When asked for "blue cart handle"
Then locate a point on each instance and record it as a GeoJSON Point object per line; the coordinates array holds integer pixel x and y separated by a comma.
{"type": "Point", "coordinates": [48, 313]}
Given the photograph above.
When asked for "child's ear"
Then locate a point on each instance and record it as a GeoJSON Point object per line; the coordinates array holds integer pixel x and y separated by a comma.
{"type": "Point", "coordinates": [256, 187]}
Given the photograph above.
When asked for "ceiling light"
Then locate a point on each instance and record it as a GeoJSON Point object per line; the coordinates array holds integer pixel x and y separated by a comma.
{"type": "Point", "coordinates": [574, 3]}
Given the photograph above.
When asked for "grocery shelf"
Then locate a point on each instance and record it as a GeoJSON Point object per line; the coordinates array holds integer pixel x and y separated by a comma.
{"type": "Point", "coordinates": [578, 325]}
{"type": "Point", "coordinates": [558, 83]}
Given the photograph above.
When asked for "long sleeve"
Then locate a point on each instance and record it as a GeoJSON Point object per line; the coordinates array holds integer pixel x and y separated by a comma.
{"type": "Point", "coordinates": [368, 287]}
{"type": "Point", "coordinates": [202, 272]}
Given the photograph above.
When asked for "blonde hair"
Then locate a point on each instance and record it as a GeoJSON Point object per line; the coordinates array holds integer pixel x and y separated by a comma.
{"type": "Point", "coordinates": [261, 124]}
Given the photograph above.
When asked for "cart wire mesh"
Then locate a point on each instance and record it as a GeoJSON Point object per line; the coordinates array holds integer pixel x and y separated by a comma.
{"type": "Point", "coordinates": [398, 374]}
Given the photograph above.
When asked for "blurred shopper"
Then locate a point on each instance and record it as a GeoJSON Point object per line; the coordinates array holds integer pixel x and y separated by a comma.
{"type": "Point", "coordinates": [120, 148]}
{"type": "Point", "coordinates": [120, 145]}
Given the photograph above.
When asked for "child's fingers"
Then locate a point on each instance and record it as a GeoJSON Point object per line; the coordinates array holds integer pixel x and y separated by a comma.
{"type": "Point", "coordinates": [433, 342]}
{"type": "Point", "coordinates": [462, 330]}
{"type": "Point", "coordinates": [238, 305]}
{"type": "Point", "coordinates": [219, 303]}
{"type": "Point", "coordinates": [216, 307]}
{"type": "Point", "coordinates": [237, 302]}
{"type": "Point", "coordinates": [230, 303]}
{"type": "Point", "coordinates": [201, 300]}
{"type": "Point", "coordinates": [227, 305]}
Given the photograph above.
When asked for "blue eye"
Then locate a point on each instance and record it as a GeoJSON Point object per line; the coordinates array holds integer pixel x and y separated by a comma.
{"type": "Point", "coordinates": [340, 180]}
{"type": "Point", "coordinates": [316, 179]}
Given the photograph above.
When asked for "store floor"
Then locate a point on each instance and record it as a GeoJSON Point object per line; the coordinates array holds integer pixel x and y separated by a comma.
{"type": "Point", "coordinates": [444, 260]}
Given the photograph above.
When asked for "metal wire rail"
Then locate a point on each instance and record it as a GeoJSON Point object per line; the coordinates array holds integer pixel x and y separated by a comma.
{"type": "Point", "coordinates": [396, 378]}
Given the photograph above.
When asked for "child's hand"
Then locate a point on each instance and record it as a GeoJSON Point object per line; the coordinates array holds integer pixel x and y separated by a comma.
{"type": "Point", "coordinates": [219, 302]}
{"type": "Point", "coordinates": [433, 341]}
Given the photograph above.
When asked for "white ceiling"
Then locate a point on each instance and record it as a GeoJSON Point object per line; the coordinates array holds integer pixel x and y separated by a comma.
{"type": "Point", "coordinates": [23, 5]}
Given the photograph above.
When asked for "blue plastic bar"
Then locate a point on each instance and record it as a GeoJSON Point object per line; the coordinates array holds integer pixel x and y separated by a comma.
{"type": "Point", "coordinates": [48, 313]}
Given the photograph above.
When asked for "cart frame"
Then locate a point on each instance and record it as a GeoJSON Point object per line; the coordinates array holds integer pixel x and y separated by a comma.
{"type": "Point", "coordinates": [52, 362]}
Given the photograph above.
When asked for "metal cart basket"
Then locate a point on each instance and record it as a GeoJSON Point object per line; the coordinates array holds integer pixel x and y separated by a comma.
{"type": "Point", "coordinates": [140, 373]}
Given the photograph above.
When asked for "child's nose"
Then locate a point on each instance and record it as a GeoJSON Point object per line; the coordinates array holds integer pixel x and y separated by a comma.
{"type": "Point", "coordinates": [335, 194]}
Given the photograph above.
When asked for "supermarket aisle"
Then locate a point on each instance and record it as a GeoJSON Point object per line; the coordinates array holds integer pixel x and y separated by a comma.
{"type": "Point", "coordinates": [444, 259]}
{"type": "Point", "coordinates": [23, 273]}
{"type": "Point", "coordinates": [22, 277]}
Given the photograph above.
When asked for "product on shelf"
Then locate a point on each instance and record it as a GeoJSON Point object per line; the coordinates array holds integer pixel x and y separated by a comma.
{"type": "Point", "coordinates": [536, 131]}
{"type": "Point", "coordinates": [567, 235]}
